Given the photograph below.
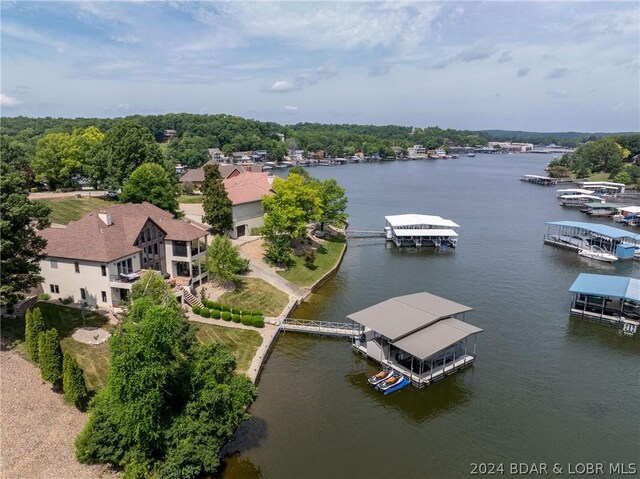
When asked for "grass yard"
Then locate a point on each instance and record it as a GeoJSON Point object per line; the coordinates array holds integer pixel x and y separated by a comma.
{"type": "Point", "coordinates": [94, 359]}
{"type": "Point", "coordinates": [600, 176]}
{"type": "Point", "coordinates": [191, 199]}
{"type": "Point", "coordinates": [256, 294]}
{"type": "Point", "coordinates": [326, 257]}
{"type": "Point", "coordinates": [243, 342]}
{"type": "Point", "coordinates": [65, 210]}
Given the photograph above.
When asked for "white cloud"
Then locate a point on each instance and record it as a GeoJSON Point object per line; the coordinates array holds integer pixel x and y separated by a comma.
{"type": "Point", "coordinates": [124, 106]}
{"type": "Point", "coordinates": [282, 86]}
{"type": "Point", "coordinates": [131, 39]}
{"type": "Point", "coordinates": [291, 109]}
{"type": "Point", "coordinates": [6, 100]}
{"type": "Point", "coordinates": [28, 35]}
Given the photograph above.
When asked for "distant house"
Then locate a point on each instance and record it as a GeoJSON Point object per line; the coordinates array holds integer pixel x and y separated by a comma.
{"type": "Point", "coordinates": [216, 155]}
{"type": "Point", "coordinates": [259, 155]}
{"type": "Point", "coordinates": [317, 155]}
{"type": "Point", "coordinates": [168, 133]}
{"type": "Point", "coordinates": [196, 176]}
{"type": "Point", "coordinates": [417, 150]}
{"type": "Point", "coordinates": [98, 258]}
{"type": "Point", "coordinates": [246, 191]}
{"type": "Point", "coordinates": [280, 136]}
{"type": "Point", "coordinates": [241, 156]}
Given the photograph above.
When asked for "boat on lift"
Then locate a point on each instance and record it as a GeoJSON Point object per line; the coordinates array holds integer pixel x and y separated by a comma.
{"type": "Point", "coordinates": [594, 253]}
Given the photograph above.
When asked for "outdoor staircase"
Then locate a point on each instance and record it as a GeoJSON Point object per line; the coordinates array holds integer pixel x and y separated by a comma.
{"type": "Point", "coordinates": [190, 299]}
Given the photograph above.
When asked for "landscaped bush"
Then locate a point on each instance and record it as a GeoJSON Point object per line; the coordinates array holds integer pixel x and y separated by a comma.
{"type": "Point", "coordinates": [44, 297]}
{"type": "Point", "coordinates": [257, 321]}
{"type": "Point", "coordinates": [215, 314]}
{"type": "Point", "coordinates": [196, 309]}
{"type": "Point", "coordinates": [67, 300]}
{"type": "Point", "coordinates": [258, 313]}
{"type": "Point", "coordinates": [226, 316]}
{"type": "Point", "coordinates": [236, 318]}
{"type": "Point", "coordinates": [205, 313]}
{"type": "Point", "coordinates": [236, 311]}
{"type": "Point", "coordinates": [75, 390]}
{"type": "Point", "coordinates": [34, 325]}
{"type": "Point", "coordinates": [209, 304]}
{"type": "Point", "coordinates": [225, 307]}
{"type": "Point", "coordinates": [247, 320]}
{"type": "Point", "coordinates": [256, 231]}
{"type": "Point", "coordinates": [50, 357]}
{"type": "Point", "coordinates": [216, 305]}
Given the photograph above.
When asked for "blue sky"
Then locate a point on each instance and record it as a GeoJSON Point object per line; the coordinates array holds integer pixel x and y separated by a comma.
{"type": "Point", "coordinates": [538, 66]}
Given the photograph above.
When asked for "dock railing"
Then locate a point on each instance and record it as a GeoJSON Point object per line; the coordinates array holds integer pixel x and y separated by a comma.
{"type": "Point", "coordinates": [327, 328]}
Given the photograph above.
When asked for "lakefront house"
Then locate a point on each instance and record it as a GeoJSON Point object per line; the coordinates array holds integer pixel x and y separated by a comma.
{"type": "Point", "coordinates": [97, 259]}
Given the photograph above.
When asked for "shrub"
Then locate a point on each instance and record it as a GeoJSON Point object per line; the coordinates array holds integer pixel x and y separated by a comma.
{"type": "Point", "coordinates": [256, 231]}
{"type": "Point", "coordinates": [226, 316]}
{"type": "Point", "coordinates": [34, 190]}
{"type": "Point", "coordinates": [44, 297]}
{"type": "Point", "coordinates": [216, 305]}
{"type": "Point", "coordinates": [225, 307]}
{"type": "Point", "coordinates": [236, 311]}
{"type": "Point", "coordinates": [67, 300]}
{"type": "Point", "coordinates": [215, 314]}
{"type": "Point", "coordinates": [75, 390]}
{"type": "Point", "coordinates": [258, 321]}
{"type": "Point", "coordinates": [309, 256]}
{"type": "Point", "coordinates": [247, 320]}
{"type": "Point", "coordinates": [196, 309]}
{"type": "Point", "coordinates": [258, 313]}
{"type": "Point", "coordinates": [34, 326]}
{"type": "Point", "coordinates": [236, 318]}
{"type": "Point", "coordinates": [50, 356]}
{"type": "Point", "coordinates": [205, 313]}
{"type": "Point", "coordinates": [208, 304]}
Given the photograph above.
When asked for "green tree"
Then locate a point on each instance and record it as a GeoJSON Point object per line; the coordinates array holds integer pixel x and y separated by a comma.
{"type": "Point", "coordinates": [21, 249]}
{"type": "Point", "coordinates": [278, 250]}
{"type": "Point", "coordinates": [126, 146]}
{"type": "Point", "coordinates": [50, 357]}
{"type": "Point", "coordinates": [217, 206]}
{"type": "Point", "coordinates": [216, 407]}
{"type": "Point", "coordinates": [623, 177]}
{"type": "Point", "coordinates": [150, 182]}
{"type": "Point", "coordinates": [34, 325]}
{"type": "Point", "coordinates": [333, 203]}
{"type": "Point", "coordinates": [276, 150]}
{"type": "Point", "coordinates": [224, 261]}
{"type": "Point", "coordinates": [153, 287]}
{"type": "Point", "coordinates": [75, 390]}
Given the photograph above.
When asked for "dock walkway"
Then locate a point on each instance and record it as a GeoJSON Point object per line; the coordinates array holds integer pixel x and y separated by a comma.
{"type": "Point", "coordinates": [325, 328]}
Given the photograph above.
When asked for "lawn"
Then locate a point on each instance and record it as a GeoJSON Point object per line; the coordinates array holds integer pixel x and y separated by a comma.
{"type": "Point", "coordinates": [256, 294]}
{"type": "Point", "coordinates": [599, 176]}
{"type": "Point", "coordinates": [326, 257]}
{"type": "Point", "coordinates": [65, 210]}
{"type": "Point", "coordinates": [94, 359]}
{"type": "Point", "coordinates": [192, 199]}
{"type": "Point", "coordinates": [243, 342]}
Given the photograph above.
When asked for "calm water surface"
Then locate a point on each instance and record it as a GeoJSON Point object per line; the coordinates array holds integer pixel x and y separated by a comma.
{"type": "Point", "coordinates": [544, 388]}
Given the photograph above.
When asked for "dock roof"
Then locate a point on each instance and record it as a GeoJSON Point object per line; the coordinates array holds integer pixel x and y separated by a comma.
{"type": "Point", "coordinates": [413, 219]}
{"type": "Point", "coordinates": [403, 315]}
{"type": "Point", "coordinates": [608, 286]}
{"type": "Point", "coordinates": [425, 232]}
{"type": "Point", "coordinates": [436, 337]}
{"type": "Point", "coordinates": [604, 230]}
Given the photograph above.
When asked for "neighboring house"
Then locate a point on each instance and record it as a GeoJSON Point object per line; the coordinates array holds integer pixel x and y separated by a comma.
{"type": "Point", "coordinates": [196, 176]}
{"type": "Point", "coordinates": [246, 192]}
{"type": "Point", "coordinates": [216, 155]}
{"type": "Point", "coordinates": [168, 133]}
{"type": "Point", "coordinates": [417, 151]}
{"type": "Point", "coordinates": [98, 258]}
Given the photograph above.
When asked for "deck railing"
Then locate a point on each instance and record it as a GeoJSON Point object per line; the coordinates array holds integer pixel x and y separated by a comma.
{"type": "Point", "coordinates": [321, 327]}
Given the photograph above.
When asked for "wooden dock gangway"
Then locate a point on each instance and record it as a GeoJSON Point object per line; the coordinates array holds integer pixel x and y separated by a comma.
{"type": "Point", "coordinates": [325, 328]}
{"type": "Point", "coordinates": [353, 234]}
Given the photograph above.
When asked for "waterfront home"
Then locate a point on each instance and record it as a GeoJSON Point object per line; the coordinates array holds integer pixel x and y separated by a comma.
{"type": "Point", "coordinates": [196, 176]}
{"type": "Point", "coordinates": [613, 300]}
{"type": "Point", "coordinates": [246, 191]}
{"type": "Point", "coordinates": [98, 258]}
{"type": "Point", "coordinates": [421, 336]}
{"type": "Point", "coordinates": [421, 230]}
{"type": "Point", "coordinates": [216, 155]}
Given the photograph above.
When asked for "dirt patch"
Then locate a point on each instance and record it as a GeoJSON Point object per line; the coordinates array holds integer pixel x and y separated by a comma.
{"type": "Point", "coordinates": [253, 250]}
{"type": "Point", "coordinates": [91, 335]}
{"type": "Point", "coordinates": [37, 427]}
{"type": "Point", "coordinates": [213, 291]}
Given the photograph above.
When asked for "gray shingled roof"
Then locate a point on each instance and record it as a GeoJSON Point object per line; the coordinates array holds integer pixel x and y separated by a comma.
{"type": "Point", "coordinates": [403, 315]}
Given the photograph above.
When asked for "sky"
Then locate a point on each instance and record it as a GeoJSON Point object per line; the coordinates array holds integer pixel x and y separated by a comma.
{"type": "Point", "coordinates": [534, 66]}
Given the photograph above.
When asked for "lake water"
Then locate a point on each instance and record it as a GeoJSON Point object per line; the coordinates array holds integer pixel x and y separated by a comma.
{"type": "Point", "coordinates": [544, 388]}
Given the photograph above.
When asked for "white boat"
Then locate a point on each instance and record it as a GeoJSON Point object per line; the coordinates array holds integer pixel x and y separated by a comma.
{"type": "Point", "coordinates": [379, 377]}
{"type": "Point", "coordinates": [471, 155]}
{"type": "Point", "coordinates": [598, 255]}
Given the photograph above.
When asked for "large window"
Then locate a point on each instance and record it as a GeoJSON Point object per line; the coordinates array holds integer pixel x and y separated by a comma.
{"type": "Point", "coordinates": [180, 248]}
{"type": "Point", "coordinates": [125, 266]}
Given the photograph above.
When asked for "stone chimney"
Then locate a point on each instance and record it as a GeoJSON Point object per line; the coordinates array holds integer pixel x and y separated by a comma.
{"type": "Point", "coordinates": [106, 218]}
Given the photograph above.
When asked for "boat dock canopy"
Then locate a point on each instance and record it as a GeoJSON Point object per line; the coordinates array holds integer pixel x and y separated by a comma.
{"type": "Point", "coordinates": [619, 287]}
{"type": "Point", "coordinates": [398, 317]}
{"type": "Point", "coordinates": [425, 232]}
{"type": "Point", "coordinates": [604, 230]}
{"type": "Point", "coordinates": [416, 221]}
{"type": "Point", "coordinates": [436, 337]}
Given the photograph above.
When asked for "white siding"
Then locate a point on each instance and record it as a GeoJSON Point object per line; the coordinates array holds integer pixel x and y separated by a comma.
{"type": "Point", "coordinates": [69, 282]}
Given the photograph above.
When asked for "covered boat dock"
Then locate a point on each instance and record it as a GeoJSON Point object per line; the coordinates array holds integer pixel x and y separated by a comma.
{"type": "Point", "coordinates": [421, 336]}
{"type": "Point", "coordinates": [421, 230]}
{"type": "Point", "coordinates": [608, 299]}
{"type": "Point", "coordinates": [576, 235]}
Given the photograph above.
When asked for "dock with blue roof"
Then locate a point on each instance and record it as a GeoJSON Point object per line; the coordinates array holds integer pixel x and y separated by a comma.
{"type": "Point", "coordinates": [576, 235]}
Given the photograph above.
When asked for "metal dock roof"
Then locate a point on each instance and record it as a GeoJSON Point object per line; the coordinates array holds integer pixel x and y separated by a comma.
{"type": "Point", "coordinates": [604, 230]}
{"type": "Point", "coordinates": [608, 286]}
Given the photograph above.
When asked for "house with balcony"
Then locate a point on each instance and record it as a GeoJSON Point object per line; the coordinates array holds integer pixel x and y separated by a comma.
{"type": "Point", "coordinates": [196, 176]}
{"type": "Point", "coordinates": [98, 258]}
